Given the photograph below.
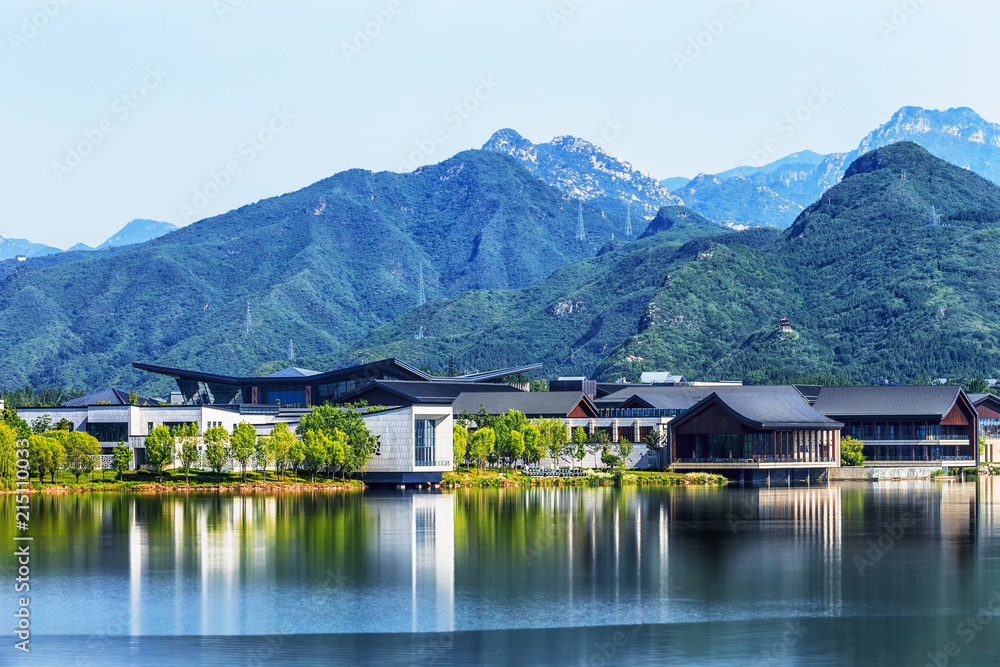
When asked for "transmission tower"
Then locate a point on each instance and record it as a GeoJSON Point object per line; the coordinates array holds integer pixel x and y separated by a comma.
{"type": "Point", "coordinates": [934, 217]}
{"type": "Point", "coordinates": [581, 232]}
{"type": "Point", "coordinates": [421, 295]}
{"type": "Point", "coordinates": [628, 222]}
{"type": "Point", "coordinates": [246, 328]}
{"type": "Point", "coordinates": [291, 350]}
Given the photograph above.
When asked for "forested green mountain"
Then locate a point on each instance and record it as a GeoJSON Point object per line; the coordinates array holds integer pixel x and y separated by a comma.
{"type": "Point", "coordinates": [892, 274]}
{"type": "Point", "coordinates": [321, 266]}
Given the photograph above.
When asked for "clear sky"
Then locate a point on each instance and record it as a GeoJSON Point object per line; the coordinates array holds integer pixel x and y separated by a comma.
{"type": "Point", "coordinates": [115, 110]}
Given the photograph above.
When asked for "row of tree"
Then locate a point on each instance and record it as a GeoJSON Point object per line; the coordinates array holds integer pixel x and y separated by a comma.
{"type": "Point", "coordinates": [504, 440]}
{"type": "Point", "coordinates": [329, 440]}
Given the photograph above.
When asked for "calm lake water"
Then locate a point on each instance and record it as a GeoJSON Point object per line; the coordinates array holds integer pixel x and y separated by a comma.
{"type": "Point", "coordinates": [875, 574]}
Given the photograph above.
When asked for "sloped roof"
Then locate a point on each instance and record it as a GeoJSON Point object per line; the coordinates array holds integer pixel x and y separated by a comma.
{"type": "Point", "coordinates": [660, 401]}
{"type": "Point", "coordinates": [536, 403]}
{"type": "Point", "coordinates": [924, 401]}
{"type": "Point", "coordinates": [393, 366]}
{"type": "Point", "coordinates": [781, 408]}
{"type": "Point", "coordinates": [615, 399]}
{"type": "Point", "coordinates": [293, 372]}
{"type": "Point", "coordinates": [411, 392]}
{"type": "Point", "coordinates": [106, 396]}
{"type": "Point", "coordinates": [979, 399]}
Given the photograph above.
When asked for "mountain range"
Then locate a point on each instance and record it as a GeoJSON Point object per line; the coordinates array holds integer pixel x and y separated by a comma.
{"type": "Point", "coordinates": [777, 193]}
{"type": "Point", "coordinates": [886, 274]}
{"type": "Point", "coordinates": [587, 172]}
{"type": "Point", "coordinates": [321, 266]}
{"type": "Point", "coordinates": [136, 231]}
{"type": "Point", "coordinates": [890, 275]}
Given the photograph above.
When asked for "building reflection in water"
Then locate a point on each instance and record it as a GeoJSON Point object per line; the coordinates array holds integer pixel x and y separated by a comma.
{"type": "Point", "coordinates": [220, 565]}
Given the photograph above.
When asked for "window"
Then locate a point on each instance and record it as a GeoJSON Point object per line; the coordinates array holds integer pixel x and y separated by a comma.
{"type": "Point", "coordinates": [149, 427]}
{"type": "Point", "coordinates": [294, 395]}
{"type": "Point", "coordinates": [108, 432]}
{"type": "Point", "coordinates": [423, 442]}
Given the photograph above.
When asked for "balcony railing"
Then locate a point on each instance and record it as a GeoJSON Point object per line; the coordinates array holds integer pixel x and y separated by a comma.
{"type": "Point", "coordinates": [433, 464]}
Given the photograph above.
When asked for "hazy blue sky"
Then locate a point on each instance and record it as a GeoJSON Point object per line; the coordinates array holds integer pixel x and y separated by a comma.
{"type": "Point", "coordinates": [162, 94]}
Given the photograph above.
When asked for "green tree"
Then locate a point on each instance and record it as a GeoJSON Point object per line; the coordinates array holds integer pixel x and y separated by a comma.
{"type": "Point", "coordinates": [580, 440]}
{"type": "Point", "coordinates": [19, 426]}
{"type": "Point", "coordinates": [282, 440]}
{"type": "Point", "coordinates": [189, 447]}
{"type": "Point", "coordinates": [851, 452]}
{"type": "Point", "coordinates": [534, 449]}
{"type": "Point", "coordinates": [133, 398]}
{"type": "Point", "coordinates": [361, 444]}
{"type": "Point", "coordinates": [56, 452]}
{"type": "Point", "coordinates": [339, 451]}
{"type": "Point", "coordinates": [217, 449]}
{"type": "Point", "coordinates": [459, 442]}
{"type": "Point", "coordinates": [81, 450]}
{"type": "Point", "coordinates": [160, 449]}
{"type": "Point", "coordinates": [42, 424]}
{"type": "Point", "coordinates": [39, 451]}
{"type": "Point", "coordinates": [242, 445]}
{"type": "Point", "coordinates": [123, 459]}
{"type": "Point", "coordinates": [8, 457]}
{"type": "Point", "coordinates": [64, 425]}
{"type": "Point", "coordinates": [481, 445]}
{"type": "Point", "coordinates": [624, 448]}
{"type": "Point", "coordinates": [515, 448]}
{"type": "Point", "coordinates": [316, 447]}
{"type": "Point", "coordinates": [296, 456]}
{"type": "Point", "coordinates": [264, 454]}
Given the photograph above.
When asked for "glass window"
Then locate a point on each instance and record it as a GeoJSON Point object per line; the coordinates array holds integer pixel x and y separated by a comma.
{"type": "Point", "coordinates": [108, 432]}
{"type": "Point", "coordinates": [423, 442]}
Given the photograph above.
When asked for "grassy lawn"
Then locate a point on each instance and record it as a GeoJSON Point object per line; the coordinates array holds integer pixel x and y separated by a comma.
{"type": "Point", "coordinates": [496, 477]}
{"type": "Point", "coordinates": [176, 478]}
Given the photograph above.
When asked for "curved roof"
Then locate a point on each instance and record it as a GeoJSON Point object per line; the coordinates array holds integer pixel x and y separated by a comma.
{"type": "Point", "coordinates": [933, 402]}
{"type": "Point", "coordinates": [779, 408]}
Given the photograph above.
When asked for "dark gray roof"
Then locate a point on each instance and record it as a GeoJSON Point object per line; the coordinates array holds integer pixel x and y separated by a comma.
{"type": "Point", "coordinates": [775, 410]}
{"type": "Point", "coordinates": [535, 403]}
{"type": "Point", "coordinates": [615, 399]}
{"type": "Point", "coordinates": [663, 401]}
{"type": "Point", "coordinates": [411, 392]}
{"type": "Point", "coordinates": [779, 408]}
{"type": "Point", "coordinates": [979, 399]}
{"type": "Point", "coordinates": [107, 396]}
{"type": "Point", "coordinates": [924, 401]}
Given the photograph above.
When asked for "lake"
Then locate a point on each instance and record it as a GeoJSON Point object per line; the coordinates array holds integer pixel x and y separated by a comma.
{"type": "Point", "coordinates": [900, 573]}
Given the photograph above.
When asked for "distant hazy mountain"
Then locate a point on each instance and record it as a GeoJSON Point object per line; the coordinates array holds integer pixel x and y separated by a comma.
{"type": "Point", "coordinates": [138, 231]}
{"type": "Point", "coordinates": [585, 171]}
{"type": "Point", "coordinates": [10, 248]}
{"type": "Point", "coordinates": [777, 193]}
